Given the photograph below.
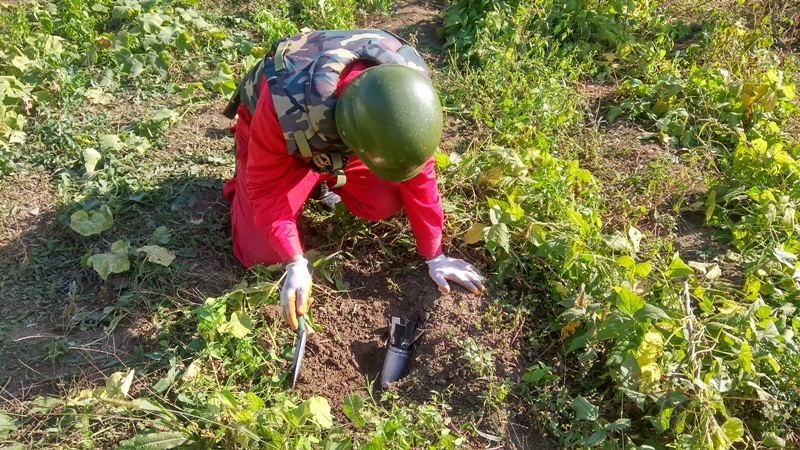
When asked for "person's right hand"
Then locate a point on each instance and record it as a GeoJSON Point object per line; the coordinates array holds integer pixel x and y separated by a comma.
{"type": "Point", "coordinates": [296, 292]}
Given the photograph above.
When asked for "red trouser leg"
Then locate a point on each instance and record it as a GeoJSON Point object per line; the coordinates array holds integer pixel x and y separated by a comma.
{"type": "Point", "coordinates": [249, 243]}
{"type": "Point", "coordinates": [367, 196]}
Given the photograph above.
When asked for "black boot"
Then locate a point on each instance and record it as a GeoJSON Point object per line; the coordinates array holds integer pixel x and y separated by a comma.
{"type": "Point", "coordinates": [327, 197]}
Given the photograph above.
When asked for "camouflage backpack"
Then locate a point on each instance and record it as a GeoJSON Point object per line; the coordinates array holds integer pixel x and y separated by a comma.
{"type": "Point", "coordinates": [302, 72]}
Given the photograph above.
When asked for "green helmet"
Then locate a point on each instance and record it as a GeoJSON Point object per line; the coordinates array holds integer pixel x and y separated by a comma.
{"type": "Point", "coordinates": [391, 118]}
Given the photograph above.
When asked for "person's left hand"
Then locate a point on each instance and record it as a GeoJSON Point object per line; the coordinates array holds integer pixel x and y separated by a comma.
{"type": "Point", "coordinates": [459, 271]}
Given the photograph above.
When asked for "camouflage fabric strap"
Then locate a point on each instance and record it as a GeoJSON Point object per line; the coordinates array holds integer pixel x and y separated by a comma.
{"type": "Point", "coordinates": [332, 163]}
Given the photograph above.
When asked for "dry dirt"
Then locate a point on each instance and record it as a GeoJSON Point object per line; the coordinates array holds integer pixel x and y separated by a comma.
{"type": "Point", "coordinates": [55, 313]}
{"type": "Point", "coordinates": [642, 179]}
{"type": "Point", "coordinates": [347, 353]}
{"type": "Point", "coordinates": [27, 201]}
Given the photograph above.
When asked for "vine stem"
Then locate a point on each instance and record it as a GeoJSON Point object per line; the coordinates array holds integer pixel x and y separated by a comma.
{"type": "Point", "coordinates": [687, 309]}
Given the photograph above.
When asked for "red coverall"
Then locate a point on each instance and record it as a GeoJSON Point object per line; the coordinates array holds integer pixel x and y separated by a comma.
{"type": "Point", "coordinates": [270, 186]}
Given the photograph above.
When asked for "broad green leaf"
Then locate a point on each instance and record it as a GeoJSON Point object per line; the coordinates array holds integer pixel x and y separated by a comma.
{"type": "Point", "coordinates": [320, 411]}
{"type": "Point", "coordinates": [43, 405]}
{"type": "Point", "coordinates": [240, 325]}
{"type": "Point", "coordinates": [772, 440]}
{"type": "Point", "coordinates": [91, 223]}
{"type": "Point", "coordinates": [133, 66]}
{"type": "Point", "coordinates": [119, 384]}
{"type": "Point", "coordinates": [90, 159]}
{"type": "Point", "coordinates": [7, 425]}
{"type": "Point", "coordinates": [222, 86]}
{"type": "Point", "coordinates": [788, 91]}
{"type": "Point", "coordinates": [733, 429]}
{"type": "Point", "coordinates": [537, 374]}
{"type": "Point", "coordinates": [442, 160]}
{"type": "Point", "coordinates": [137, 143]}
{"type": "Point", "coordinates": [499, 234]}
{"type": "Point", "coordinates": [650, 312]}
{"type": "Point", "coordinates": [584, 410]}
{"type": "Point", "coordinates": [628, 302]}
{"type": "Point", "coordinates": [678, 269]}
{"type": "Point", "coordinates": [111, 143]}
{"type": "Point", "coordinates": [53, 46]}
{"type": "Point", "coordinates": [619, 424]}
{"type": "Point", "coordinates": [21, 62]}
{"type": "Point", "coordinates": [116, 261]}
{"type": "Point", "coordinates": [161, 235]}
{"type": "Point", "coordinates": [643, 269]}
{"type": "Point", "coordinates": [151, 22]}
{"type": "Point", "coordinates": [352, 410]}
{"type": "Point", "coordinates": [163, 115]}
{"type": "Point", "coordinates": [158, 254]}
{"type": "Point", "coordinates": [613, 113]}
{"type": "Point", "coordinates": [154, 441]}
{"type": "Point", "coordinates": [746, 357]}
{"type": "Point", "coordinates": [626, 262]}
{"type": "Point", "coordinates": [474, 234]}
{"type": "Point", "coordinates": [752, 287]}
{"type": "Point", "coordinates": [126, 10]}
{"type": "Point", "coordinates": [595, 438]}
{"type": "Point", "coordinates": [344, 444]}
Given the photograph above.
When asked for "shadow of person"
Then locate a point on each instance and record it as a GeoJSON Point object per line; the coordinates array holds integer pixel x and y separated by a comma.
{"type": "Point", "coordinates": [368, 356]}
{"type": "Point", "coordinates": [217, 133]}
{"type": "Point", "coordinates": [61, 321]}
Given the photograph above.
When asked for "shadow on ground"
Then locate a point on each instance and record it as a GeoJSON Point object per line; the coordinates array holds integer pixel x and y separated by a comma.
{"type": "Point", "coordinates": [62, 323]}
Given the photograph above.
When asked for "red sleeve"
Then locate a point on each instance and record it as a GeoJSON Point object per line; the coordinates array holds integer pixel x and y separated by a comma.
{"type": "Point", "coordinates": [424, 209]}
{"type": "Point", "coordinates": [277, 183]}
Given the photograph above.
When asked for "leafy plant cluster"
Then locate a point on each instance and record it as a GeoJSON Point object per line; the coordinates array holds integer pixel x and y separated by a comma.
{"type": "Point", "coordinates": [226, 387]}
{"type": "Point", "coordinates": [684, 354]}
{"type": "Point", "coordinates": [225, 381]}
{"type": "Point", "coordinates": [601, 36]}
{"type": "Point", "coordinates": [68, 54]}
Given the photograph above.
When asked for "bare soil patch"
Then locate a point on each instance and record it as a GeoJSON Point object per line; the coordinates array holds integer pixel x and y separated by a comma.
{"type": "Point", "coordinates": [642, 179]}
{"type": "Point", "coordinates": [27, 201]}
{"type": "Point", "coordinates": [202, 129]}
{"type": "Point", "coordinates": [57, 315]}
{"type": "Point", "coordinates": [418, 22]}
{"type": "Point", "coordinates": [347, 354]}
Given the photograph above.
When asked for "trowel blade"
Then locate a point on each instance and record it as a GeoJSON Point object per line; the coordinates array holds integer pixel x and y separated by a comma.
{"type": "Point", "coordinates": [299, 350]}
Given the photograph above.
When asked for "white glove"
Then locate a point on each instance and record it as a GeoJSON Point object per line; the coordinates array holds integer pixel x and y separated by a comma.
{"type": "Point", "coordinates": [465, 274]}
{"type": "Point", "coordinates": [296, 292]}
